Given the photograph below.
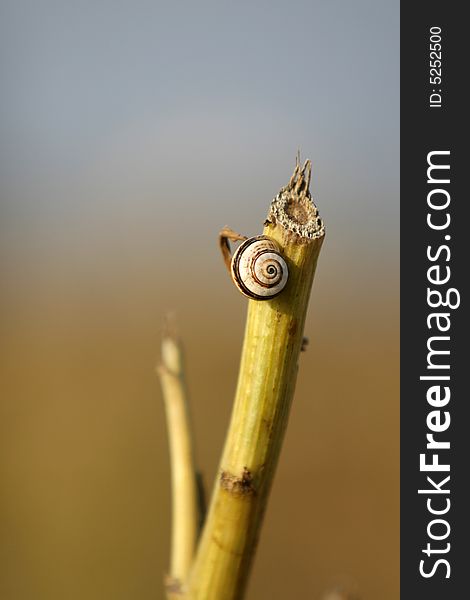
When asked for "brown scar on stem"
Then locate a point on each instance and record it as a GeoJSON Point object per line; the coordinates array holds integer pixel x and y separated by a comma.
{"type": "Point", "coordinates": [268, 423]}
{"type": "Point", "coordinates": [293, 327]}
{"type": "Point", "coordinates": [238, 486]}
{"type": "Point", "coordinates": [303, 347]}
{"type": "Point", "coordinates": [173, 585]}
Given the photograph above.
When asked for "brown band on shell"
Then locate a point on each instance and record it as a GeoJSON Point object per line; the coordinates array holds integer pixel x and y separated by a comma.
{"type": "Point", "coordinates": [246, 256]}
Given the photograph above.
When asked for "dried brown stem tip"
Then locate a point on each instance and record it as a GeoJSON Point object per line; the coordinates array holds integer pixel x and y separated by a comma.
{"type": "Point", "coordinates": [293, 207]}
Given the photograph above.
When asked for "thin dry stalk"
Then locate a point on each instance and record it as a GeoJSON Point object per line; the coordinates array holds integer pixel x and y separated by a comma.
{"type": "Point", "coordinates": [186, 515]}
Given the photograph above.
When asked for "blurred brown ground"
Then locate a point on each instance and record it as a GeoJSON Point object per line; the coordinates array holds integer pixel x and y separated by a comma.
{"type": "Point", "coordinates": [85, 507]}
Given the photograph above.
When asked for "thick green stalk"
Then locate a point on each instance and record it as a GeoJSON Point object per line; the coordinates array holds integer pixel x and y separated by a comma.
{"type": "Point", "coordinates": [268, 371]}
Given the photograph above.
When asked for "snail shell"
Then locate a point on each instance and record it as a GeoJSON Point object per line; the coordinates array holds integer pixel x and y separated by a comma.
{"type": "Point", "coordinates": [258, 269]}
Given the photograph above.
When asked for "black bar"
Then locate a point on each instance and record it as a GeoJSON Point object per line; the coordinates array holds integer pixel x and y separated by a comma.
{"type": "Point", "coordinates": [430, 124]}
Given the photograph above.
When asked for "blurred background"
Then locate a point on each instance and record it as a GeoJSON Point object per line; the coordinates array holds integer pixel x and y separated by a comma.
{"type": "Point", "coordinates": [130, 133]}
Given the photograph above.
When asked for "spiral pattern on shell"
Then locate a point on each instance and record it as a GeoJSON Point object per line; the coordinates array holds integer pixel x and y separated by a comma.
{"type": "Point", "coordinates": [258, 268]}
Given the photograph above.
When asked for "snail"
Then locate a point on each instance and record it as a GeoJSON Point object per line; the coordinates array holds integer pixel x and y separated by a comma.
{"type": "Point", "coordinates": [257, 267]}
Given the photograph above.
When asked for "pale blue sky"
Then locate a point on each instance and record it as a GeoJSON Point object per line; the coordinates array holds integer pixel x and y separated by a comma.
{"type": "Point", "coordinates": [117, 115]}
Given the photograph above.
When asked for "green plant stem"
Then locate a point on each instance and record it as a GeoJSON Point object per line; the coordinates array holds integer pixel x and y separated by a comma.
{"type": "Point", "coordinates": [267, 376]}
